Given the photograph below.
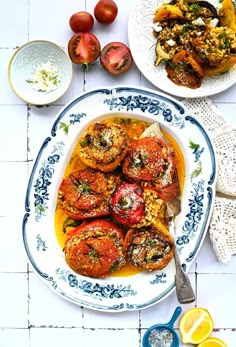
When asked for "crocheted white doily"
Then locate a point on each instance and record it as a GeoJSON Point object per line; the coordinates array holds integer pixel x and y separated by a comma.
{"type": "Point", "coordinates": [222, 228]}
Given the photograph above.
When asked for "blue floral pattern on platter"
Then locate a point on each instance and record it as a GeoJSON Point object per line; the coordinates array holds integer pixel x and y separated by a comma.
{"type": "Point", "coordinates": [97, 290]}
{"type": "Point", "coordinates": [197, 150]}
{"type": "Point", "coordinates": [194, 216]}
{"type": "Point", "coordinates": [43, 181]}
{"type": "Point", "coordinates": [159, 278]}
{"type": "Point", "coordinates": [145, 104]}
{"type": "Point", "coordinates": [117, 293]}
{"type": "Point", "coordinates": [41, 245]}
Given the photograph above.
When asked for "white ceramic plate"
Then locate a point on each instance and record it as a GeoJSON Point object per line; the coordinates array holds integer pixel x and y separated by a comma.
{"type": "Point", "coordinates": [142, 45]}
{"type": "Point", "coordinates": [46, 256]}
{"type": "Point", "coordinates": [23, 64]}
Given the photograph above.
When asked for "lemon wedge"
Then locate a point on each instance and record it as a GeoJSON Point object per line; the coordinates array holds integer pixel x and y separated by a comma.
{"type": "Point", "coordinates": [195, 326]}
{"type": "Point", "coordinates": [212, 342]}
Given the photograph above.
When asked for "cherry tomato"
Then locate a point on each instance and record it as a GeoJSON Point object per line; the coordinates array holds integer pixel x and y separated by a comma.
{"type": "Point", "coordinates": [105, 11]}
{"type": "Point", "coordinates": [84, 48]}
{"type": "Point", "coordinates": [116, 58]}
{"type": "Point", "coordinates": [81, 21]}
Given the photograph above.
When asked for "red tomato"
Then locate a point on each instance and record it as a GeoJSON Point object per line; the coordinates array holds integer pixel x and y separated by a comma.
{"type": "Point", "coordinates": [127, 204]}
{"type": "Point", "coordinates": [84, 48]}
{"type": "Point", "coordinates": [116, 58]}
{"type": "Point", "coordinates": [144, 160]}
{"type": "Point", "coordinates": [83, 194]}
{"type": "Point", "coordinates": [95, 249]}
{"type": "Point", "coordinates": [105, 11]}
{"type": "Point", "coordinates": [81, 21]}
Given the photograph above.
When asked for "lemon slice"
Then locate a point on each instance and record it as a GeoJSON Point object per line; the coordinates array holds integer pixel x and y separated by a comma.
{"type": "Point", "coordinates": [195, 326]}
{"type": "Point", "coordinates": [212, 342]}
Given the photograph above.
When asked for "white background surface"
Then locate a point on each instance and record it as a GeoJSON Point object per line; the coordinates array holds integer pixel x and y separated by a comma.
{"type": "Point", "coordinates": [31, 315]}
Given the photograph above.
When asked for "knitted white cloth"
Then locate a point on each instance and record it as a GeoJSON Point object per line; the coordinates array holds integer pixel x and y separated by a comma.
{"type": "Point", "coordinates": [222, 228]}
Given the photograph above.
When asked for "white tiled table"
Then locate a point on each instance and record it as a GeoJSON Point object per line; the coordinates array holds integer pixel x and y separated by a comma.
{"type": "Point", "coordinates": [31, 315]}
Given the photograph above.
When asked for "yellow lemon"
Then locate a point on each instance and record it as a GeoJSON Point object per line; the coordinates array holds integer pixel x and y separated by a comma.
{"type": "Point", "coordinates": [212, 342]}
{"type": "Point", "coordinates": [195, 325]}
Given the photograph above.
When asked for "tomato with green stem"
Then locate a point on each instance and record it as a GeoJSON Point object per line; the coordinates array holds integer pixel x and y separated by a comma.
{"type": "Point", "coordinates": [84, 49]}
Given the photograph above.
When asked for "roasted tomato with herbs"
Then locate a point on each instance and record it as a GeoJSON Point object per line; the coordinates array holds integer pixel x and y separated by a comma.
{"type": "Point", "coordinates": [166, 182]}
{"type": "Point", "coordinates": [84, 48]}
{"type": "Point", "coordinates": [144, 159]}
{"type": "Point", "coordinates": [127, 204]}
{"type": "Point", "coordinates": [103, 146]}
{"type": "Point", "coordinates": [85, 194]}
{"type": "Point", "coordinates": [150, 248]}
{"type": "Point", "coordinates": [81, 22]}
{"type": "Point", "coordinates": [105, 11]}
{"type": "Point", "coordinates": [95, 249]}
{"type": "Point", "coordinates": [116, 58]}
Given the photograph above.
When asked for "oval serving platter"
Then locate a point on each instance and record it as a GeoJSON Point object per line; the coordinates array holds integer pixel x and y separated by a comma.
{"type": "Point", "coordinates": [114, 294]}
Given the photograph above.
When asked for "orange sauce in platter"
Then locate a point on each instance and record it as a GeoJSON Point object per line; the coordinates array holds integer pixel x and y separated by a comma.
{"type": "Point", "coordinates": [134, 129]}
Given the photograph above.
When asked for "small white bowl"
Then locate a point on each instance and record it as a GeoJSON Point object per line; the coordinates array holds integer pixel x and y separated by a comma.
{"type": "Point", "coordinates": [34, 57]}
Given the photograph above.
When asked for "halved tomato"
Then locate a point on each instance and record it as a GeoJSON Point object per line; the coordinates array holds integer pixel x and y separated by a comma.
{"type": "Point", "coordinates": [84, 48]}
{"type": "Point", "coordinates": [116, 58]}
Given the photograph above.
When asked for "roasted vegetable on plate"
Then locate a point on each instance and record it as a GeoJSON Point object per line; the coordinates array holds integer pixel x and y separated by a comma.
{"type": "Point", "coordinates": [195, 39]}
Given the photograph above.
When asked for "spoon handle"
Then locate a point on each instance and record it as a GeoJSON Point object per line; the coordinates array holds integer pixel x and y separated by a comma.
{"type": "Point", "coordinates": [184, 290]}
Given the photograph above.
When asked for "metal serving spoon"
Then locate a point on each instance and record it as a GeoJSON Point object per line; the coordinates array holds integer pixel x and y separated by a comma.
{"type": "Point", "coordinates": [184, 290]}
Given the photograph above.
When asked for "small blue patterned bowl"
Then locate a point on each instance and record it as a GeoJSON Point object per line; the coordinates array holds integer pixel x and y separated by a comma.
{"type": "Point", "coordinates": [40, 72]}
